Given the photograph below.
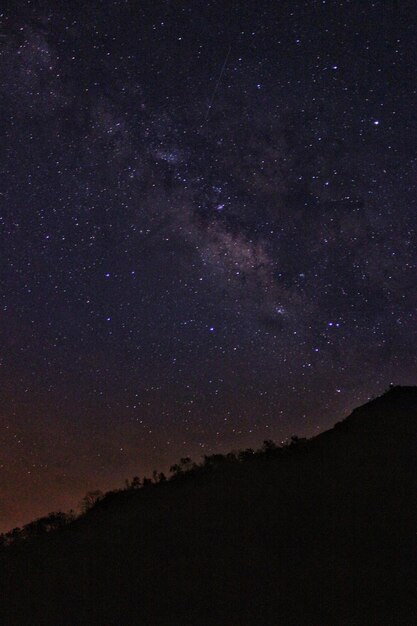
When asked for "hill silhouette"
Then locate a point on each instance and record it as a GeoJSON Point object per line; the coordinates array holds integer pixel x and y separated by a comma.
{"type": "Point", "coordinates": [317, 532]}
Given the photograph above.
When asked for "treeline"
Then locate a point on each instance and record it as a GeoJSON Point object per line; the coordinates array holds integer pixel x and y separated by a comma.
{"type": "Point", "coordinates": [46, 524]}
{"type": "Point", "coordinates": [185, 469]}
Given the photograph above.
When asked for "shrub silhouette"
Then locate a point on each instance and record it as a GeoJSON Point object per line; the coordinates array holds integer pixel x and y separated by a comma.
{"type": "Point", "coordinates": [90, 499]}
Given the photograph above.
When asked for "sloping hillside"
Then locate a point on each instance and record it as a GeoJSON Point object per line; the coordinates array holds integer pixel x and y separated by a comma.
{"type": "Point", "coordinates": [319, 532]}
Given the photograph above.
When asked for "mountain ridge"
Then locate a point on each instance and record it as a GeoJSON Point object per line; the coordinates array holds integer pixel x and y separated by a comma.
{"type": "Point", "coordinates": [319, 532]}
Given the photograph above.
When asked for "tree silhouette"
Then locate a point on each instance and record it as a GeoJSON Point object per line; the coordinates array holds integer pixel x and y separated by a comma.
{"type": "Point", "coordinates": [184, 465]}
{"type": "Point", "coordinates": [48, 523]}
{"type": "Point", "coordinates": [269, 446]}
{"type": "Point", "coordinates": [135, 483]}
{"type": "Point", "coordinates": [158, 477]}
{"type": "Point", "coordinates": [90, 499]}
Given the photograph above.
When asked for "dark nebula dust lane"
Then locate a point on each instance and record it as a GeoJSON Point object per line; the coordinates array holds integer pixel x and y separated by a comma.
{"type": "Point", "coordinates": [207, 231]}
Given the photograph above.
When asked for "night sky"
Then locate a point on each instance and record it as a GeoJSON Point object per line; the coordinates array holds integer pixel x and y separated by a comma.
{"type": "Point", "coordinates": [207, 230]}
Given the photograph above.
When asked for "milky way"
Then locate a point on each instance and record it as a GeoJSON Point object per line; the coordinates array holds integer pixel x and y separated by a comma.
{"type": "Point", "coordinates": [207, 231]}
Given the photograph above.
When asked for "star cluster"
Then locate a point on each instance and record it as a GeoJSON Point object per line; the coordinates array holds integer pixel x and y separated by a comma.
{"type": "Point", "coordinates": [207, 230]}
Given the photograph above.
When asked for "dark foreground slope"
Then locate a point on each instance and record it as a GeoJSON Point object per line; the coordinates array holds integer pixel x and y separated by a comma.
{"type": "Point", "coordinates": [322, 532]}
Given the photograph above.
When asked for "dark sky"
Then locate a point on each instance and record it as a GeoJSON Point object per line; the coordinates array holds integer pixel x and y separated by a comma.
{"type": "Point", "coordinates": [207, 230]}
